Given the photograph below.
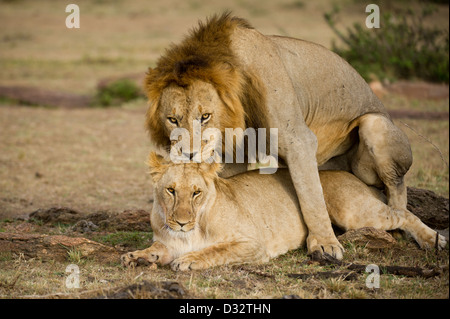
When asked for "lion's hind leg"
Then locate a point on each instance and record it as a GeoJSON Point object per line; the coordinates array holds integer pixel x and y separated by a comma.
{"type": "Point", "coordinates": [383, 157]}
{"type": "Point", "coordinates": [388, 218]}
{"type": "Point", "coordinates": [424, 235]}
{"type": "Point", "coordinates": [352, 205]}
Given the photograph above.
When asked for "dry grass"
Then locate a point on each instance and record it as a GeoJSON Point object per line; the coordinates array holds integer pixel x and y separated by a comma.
{"type": "Point", "coordinates": [88, 159]}
{"type": "Point", "coordinates": [430, 165]}
{"type": "Point", "coordinates": [21, 278]}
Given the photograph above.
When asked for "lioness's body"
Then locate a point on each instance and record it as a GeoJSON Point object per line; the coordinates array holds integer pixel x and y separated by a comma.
{"type": "Point", "coordinates": [233, 76]}
{"type": "Point", "coordinates": [246, 212]}
{"type": "Point", "coordinates": [250, 218]}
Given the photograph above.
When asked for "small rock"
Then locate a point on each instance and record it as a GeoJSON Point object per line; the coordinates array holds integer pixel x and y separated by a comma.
{"type": "Point", "coordinates": [369, 237]}
{"type": "Point", "coordinates": [378, 88]}
{"type": "Point", "coordinates": [84, 226]}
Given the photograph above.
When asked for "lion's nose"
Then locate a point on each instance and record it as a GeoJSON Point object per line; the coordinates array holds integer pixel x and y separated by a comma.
{"type": "Point", "coordinates": [190, 155]}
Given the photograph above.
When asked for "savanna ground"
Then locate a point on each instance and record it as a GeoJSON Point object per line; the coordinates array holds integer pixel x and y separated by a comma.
{"type": "Point", "coordinates": [93, 159]}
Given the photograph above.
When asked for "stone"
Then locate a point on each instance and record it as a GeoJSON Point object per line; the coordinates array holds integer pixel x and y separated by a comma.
{"type": "Point", "coordinates": [368, 237]}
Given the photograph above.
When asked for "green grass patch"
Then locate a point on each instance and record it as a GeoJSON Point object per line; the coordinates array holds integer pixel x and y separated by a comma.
{"type": "Point", "coordinates": [117, 92]}
{"type": "Point", "coordinates": [135, 239]}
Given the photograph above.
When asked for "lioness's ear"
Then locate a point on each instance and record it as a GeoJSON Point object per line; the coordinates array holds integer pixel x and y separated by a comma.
{"type": "Point", "coordinates": [157, 165]}
{"type": "Point", "coordinates": [211, 169]}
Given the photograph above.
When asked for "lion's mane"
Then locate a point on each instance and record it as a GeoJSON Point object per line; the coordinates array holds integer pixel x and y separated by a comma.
{"type": "Point", "coordinates": [205, 54]}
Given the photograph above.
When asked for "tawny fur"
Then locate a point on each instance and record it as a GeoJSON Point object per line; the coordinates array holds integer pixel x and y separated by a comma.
{"type": "Point", "coordinates": [325, 113]}
{"type": "Point", "coordinates": [250, 218]}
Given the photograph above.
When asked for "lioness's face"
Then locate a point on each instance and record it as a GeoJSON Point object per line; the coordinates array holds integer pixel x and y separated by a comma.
{"type": "Point", "coordinates": [195, 108]}
{"type": "Point", "coordinates": [183, 193]}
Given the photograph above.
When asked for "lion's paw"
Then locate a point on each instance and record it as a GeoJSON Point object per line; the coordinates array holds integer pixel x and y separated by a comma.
{"type": "Point", "coordinates": [187, 262]}
{"type": "Point", "coordinates": [131, 260]}
{"type": "Point", "coordinates": [330, 246]}
{"type": "Point", "coordinates": [128, 260]}
{"type": "Point", "coordinates": [429, 242]}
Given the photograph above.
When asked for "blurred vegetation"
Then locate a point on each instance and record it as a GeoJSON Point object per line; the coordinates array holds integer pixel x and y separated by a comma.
{"type": "Point", "coordinates": [117, 92]}
{"type": "Point", "coordinates": [404, 47]}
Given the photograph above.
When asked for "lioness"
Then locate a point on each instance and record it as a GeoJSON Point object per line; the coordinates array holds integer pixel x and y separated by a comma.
{"type": "Point", "coordinates": [225, 74]}
{"type": "Point", "coordinates": [200, 220]}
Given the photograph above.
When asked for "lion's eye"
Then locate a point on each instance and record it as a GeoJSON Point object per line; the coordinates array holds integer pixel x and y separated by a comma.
{"type": "Point", "coordinates": [196, 193]}
{"type": "Point", "coordinates": [173, 120]}
{"type": "Point", "coordinates": [171, 190]}
{"type": "Point", "coordinates": [206, 117]}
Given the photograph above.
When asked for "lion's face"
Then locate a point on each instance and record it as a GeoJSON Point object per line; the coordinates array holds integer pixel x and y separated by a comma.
{"type": "Point", "coordinates": [195, 109]}
{"type": "Point", "coordinates": [196, 117]}
{"type": "Point", "coordinates": [183, 191]}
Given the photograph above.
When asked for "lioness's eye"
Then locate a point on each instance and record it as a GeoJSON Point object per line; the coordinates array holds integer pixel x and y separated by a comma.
{"type": "Point", "coordinates": [171, 190]}
{"type": "Point", "coordinates": [172, 120]}
{"type": "Point", "coordinates": [206, 117]}
{"type": "Point", "coordinates": [196, 193]}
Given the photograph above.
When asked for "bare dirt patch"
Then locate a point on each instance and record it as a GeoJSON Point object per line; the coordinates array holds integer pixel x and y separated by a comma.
{"type": "Point", "coordinates": [43, 97]}
{"type": "Point", "coordinates": [86, 159]}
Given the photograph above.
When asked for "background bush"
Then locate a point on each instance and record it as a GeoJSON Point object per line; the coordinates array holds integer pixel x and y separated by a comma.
{"type": "Point", "coordinates": [402, 48]}
{"type": "Point", "coordinates": [117, 92]}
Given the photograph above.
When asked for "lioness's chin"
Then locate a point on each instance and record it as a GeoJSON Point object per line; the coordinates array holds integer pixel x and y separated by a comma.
{"type": "Point", "coordinates": [180, 231]}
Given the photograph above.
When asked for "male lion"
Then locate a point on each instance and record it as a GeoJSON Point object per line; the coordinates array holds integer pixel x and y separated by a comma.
{"type": "Point", "coordinates": [200, 220]}
{"type": "Point", "coordinates": [225, 74]}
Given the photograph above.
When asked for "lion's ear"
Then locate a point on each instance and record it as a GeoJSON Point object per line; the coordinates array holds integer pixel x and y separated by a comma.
{"type": "Point", "coordinates": [157, 165]}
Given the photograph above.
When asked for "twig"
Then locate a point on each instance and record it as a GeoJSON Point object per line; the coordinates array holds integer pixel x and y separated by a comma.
{"type": "Point", "coordinates": [257, 272]}
{"type": "Point", "coordinates": [345, 275]}
{"type": "Point", "coordinates": [436, 247]}
{"type": "Point", "coordinates": [395, 270]}
{"type": "Point", "coordinates": [326, 260]}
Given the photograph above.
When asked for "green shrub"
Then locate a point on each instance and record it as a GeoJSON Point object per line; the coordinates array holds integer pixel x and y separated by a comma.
{"type": "Point", "coordinates": [117, 92]}
{"type": "Point", "coordinates": [402, 48]}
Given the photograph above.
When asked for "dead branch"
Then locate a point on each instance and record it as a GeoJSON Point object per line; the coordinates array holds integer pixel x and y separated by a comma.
{"type": "Point", "coordinates": [257, 272]}
{"type": "Point", "coordinates": [345, 275]}
{"type": "Point", "coordinates": [327, 260]}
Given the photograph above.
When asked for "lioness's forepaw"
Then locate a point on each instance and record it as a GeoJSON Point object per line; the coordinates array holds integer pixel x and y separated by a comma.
{"type": "Point", "coordinates": [130, 260]}
{"type": "Point", "coordinates": [187, 262]}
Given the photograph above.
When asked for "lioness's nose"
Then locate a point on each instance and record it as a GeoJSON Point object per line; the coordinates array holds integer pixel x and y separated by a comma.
{"type": "Point", "coordinates": [181, 224]}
